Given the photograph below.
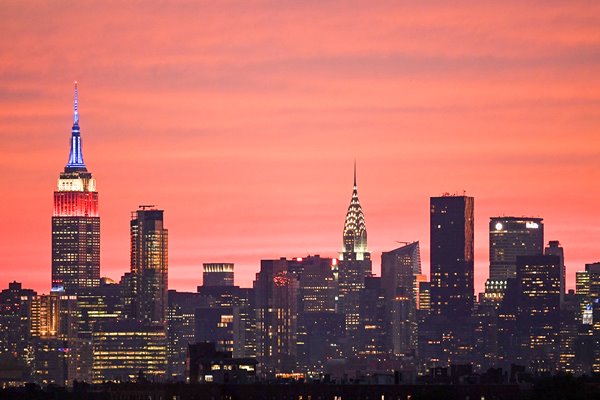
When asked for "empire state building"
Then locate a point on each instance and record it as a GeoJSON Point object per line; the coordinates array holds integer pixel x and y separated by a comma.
{"type": "Point", "coordinates": [75, 221]}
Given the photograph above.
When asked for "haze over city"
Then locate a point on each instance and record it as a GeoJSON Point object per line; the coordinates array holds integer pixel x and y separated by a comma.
{"type": "Point", "coordinates": [243, 121]}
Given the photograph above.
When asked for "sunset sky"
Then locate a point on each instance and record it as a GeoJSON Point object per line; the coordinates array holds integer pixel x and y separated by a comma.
{"type": "Point", "coordinates": [242, 121]}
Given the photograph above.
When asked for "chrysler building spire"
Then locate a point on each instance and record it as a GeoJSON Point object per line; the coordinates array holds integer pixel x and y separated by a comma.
{"type": "Point", "coordinates": [355, 231]}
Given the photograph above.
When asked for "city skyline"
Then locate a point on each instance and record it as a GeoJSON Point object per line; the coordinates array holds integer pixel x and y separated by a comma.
{"type": "Point", "coordinates": [251, 160]}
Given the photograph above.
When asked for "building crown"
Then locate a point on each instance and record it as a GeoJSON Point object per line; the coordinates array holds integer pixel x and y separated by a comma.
{"type": "Point", "coordinates": [355, 230]}
{"type": "Point", "coordinates": [75, 156]}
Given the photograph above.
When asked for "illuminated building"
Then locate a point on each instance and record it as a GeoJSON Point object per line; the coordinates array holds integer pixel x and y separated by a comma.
{"type": "Point", "coordinates": [215, 325]}
{"type": "Point", "coordinates": [208, 365]}
{"type": "Point", "coordinates": [126, 349]}
{"type": "Point", "coordinates": [511, 237]}
{"type": "Point", "coordinates": [538, 311]}
{"type": "Point", "coordinates": [373, 333]}
{"type": "Point", "coordinates": [424, 296]}
{"type": "Point", "coordinates": [494, 292]}
{"type": "Point", "coordinates": [355, 261]}
{"type": "Point", "coordinates": [95, 305]}
{"type": "Point", "coordinates": [181, 324]}
{"type": "Point", "coordinates": [588, 284]}
{"type": "Point", "coordinates": [54, 332]}
{"type": "Point", "coordinates": [149, 265]}
{"type": "Point", "coordinates": [568, 334]}
{"type": "Point", "coordinates": [593, 271]}
{"type": "Point", "coordinates": [16, 323]}
{"type": "Point", "coordinates": [236, 334]}
{"type": "Point", "coordinates": [276, 292]}
{"type": "Point", "coordinates": [318, 324]}
{"type": "Point", "coordinates": [582, 283]}
{"type": "Point", "coordinates": [75, 221]}
{"type": "Point", "coordinates": [217, 274]}
{"type": "Point", "coordinates": [317, 286]}
{"type": "Point", "coordinates": [452, 236]}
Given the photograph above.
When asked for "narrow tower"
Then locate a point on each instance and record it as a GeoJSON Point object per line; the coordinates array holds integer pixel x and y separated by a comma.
{"type": "Point", "coordinates": [355, 261]}
{"type": "Point", "coordinates": [149, 265]}
{"type": "Point", "coordinates": [75, 221]}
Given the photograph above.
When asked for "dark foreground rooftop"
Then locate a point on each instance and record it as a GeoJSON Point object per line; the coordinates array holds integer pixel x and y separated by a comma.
{"type": "Point", "coordinates": [551, 388]}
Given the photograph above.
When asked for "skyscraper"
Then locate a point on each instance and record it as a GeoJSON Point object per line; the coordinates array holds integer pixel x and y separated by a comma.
{"type": "Point", "coordinates": [75, 221]}
{"type": "Point", "coordinates": [555, 249]}
{"type": "Point", "coordinates": [452, 254]}
{"type": "Point", "coordinates": [355, 261]}
{"type": "Point", "coordinates": [538, 310]}
{"type": "Point", "coordinates": [399, 269]}
{"type": "Point", "coordinates": [276, 292]}
{"type": "Point", "coordinates": [149, 265]}
{"type": "Point", "coordinates": [511, 237]}
{"type": "Point", "coordinates": [217, 274]}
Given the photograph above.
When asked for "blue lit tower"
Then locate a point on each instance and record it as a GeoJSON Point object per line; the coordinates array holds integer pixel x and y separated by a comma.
{"type": "Point", "coordinates": [75, 221]}
{"type": "Point", "coordinates": [355, 261]}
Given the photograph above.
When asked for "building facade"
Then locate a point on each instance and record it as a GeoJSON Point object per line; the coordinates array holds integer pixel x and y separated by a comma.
{"type": "Point", "coordinates": [355, 262]}
{"type": "Point", "coordinates": [511, 237]}
{"type": "Point", "coordinates": [452, 256]}
{"type": "Point", "coordinates": [75, 221]}
{"type": "Point", "coordinates": [149, 266]}
{"type": "Point", "coordinates": [217, 274]}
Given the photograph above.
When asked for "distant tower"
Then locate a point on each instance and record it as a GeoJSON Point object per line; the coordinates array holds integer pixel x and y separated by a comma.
{"type": "Point", "coordinates": [511, 237]}
{"type": "Point", "coordinates": [75, 221]}
{"type": "Point", "coordinates": [355, 261]}
{"type": "Point", "coordinates": [217, 274]}
{"type": "Point", "coordinates": [149, 265]}
{"type": "Point", "coordinates": [452, 256]}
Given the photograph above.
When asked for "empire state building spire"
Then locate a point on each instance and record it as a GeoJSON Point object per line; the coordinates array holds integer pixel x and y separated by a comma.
{"type": "Point", "coordinates": [355, 230]}
{"type": "Point", "coordinates": [75, 156]}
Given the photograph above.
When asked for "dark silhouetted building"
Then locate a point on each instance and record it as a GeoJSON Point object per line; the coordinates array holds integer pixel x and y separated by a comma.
{"type": "Point", "coordinates": [75, 221]}
{"type": "Point", "coordinates": [554, 249]}
{"type": "Point", "coordinates": [207, 365]}
{"type": "Point", "coordinates": [452, 253]}
{"type": "Point", "coordinates": [400, 269]}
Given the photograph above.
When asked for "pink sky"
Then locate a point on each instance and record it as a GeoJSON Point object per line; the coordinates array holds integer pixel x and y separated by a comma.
{"type": "Point", "coordinates": [242, 122]}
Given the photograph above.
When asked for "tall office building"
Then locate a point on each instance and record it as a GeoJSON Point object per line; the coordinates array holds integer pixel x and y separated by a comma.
{"type": "Point", "coordinates": [16, 322]}
{"type": "Point", "coordinates": [555, 249]}
{"type": "Point", "coordinates": [538, 311]}
{"type": "Point", "coordinates": [276, 292]}
{"type": "Point", "coordinates": [217, 274]}
{"type": "Point", "coordinates": [75, 221]}
{"type": "Point", "coordinates": [511, 237]}
{"type": "Point", "coordinates": [127, 351]}
{"type": "Point", "coordinates": [452, 254]}
{"type": "Point", "coordinates": [355, 261]}
{"type": "Point", "coordinates": [400, 269]}
{"type": "Point", "coordinates": [149, 265]}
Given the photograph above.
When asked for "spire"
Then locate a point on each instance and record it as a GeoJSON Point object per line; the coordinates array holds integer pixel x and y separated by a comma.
{"type": "Point", "coordinates": [75, 107]}
{"type": "Point", "coordinates": [75, 156]}
{"type": "Point", "coordinates": [355, 230]}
